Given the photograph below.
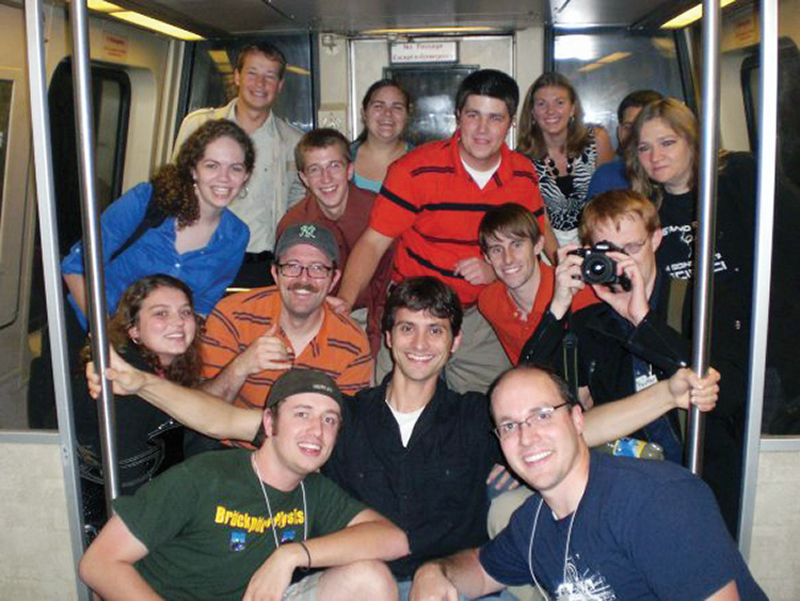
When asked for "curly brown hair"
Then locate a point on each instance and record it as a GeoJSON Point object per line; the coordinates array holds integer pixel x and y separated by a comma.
{"type": "Point", "coordinates": [173, 184]}
{"type": "Point", "coordinates": [185, 369]}
{"type": "Point", "coordinates": [530, 140]}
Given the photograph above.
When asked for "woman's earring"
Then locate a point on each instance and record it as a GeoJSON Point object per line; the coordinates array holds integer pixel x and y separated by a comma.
{"type": "Point", "coordinates": [243, 192]}
{"type": "Point", "coordinates": [135, 340]}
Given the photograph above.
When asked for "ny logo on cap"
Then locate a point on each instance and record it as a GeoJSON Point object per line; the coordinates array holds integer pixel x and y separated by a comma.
{"type": "Point", "coordinates": [308, 231]}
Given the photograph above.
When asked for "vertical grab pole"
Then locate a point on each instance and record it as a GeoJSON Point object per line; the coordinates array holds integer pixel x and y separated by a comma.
{"type": "Point", "coordinates": [45, 195]}
{"type": "Point", "coordinates": [92, 243]}
{"type": "Point", "coordinates": [765, 217]}
{"type": "Point", "coordinates": [706, 218]}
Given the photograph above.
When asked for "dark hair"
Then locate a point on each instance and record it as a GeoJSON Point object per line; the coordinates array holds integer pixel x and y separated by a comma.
{"type": "Point", "coordinates": [492, 83]}
{"type": "Point", "coordinates": [372, 90]}
{"type": "Point", "coordinates": [173, 184]}
{"type": "Point", "coordinates": [185, 369]}
{"type": "Point", "coordinates": [509, 219]}
{"type": "Point", "coordinates": [424, 293]}
{"type": "Point", "coordinates": [530, 140]}
{"type": "Point", "coordinates": [637, 98]}
{"type": "Point", "coordinates": [269, 50]}
{"type": "Point", "coordinates": [561, 385]}
{"type": "Point", "coordinates": [320, 138]}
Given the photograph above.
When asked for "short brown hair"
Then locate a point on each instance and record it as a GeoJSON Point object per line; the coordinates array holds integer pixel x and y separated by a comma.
{"type": "Point", "coordinates": [271, 51]}
{"type": "Point", "coordinates": [615, 205]}
{"type": "Point", "coordinates": [509, 219]}
{"type": "Point", "coordinates": [321, 137]}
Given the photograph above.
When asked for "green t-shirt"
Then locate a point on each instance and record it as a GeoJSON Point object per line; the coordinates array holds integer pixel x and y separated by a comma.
{"type": "Point", "coordinates": [207, 529]}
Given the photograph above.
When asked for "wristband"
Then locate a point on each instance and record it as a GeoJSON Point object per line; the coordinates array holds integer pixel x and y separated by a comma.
{"type": "Point", "coordinates": [308, 553]}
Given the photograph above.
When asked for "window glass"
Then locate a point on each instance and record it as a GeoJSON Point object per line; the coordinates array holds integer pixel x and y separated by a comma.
{"type": "Point", "coordinates": [211, 79]}
{"type": "Point", "coordinates": [6, 87]}
{"type": "Point", "coordinates": [606, 66]}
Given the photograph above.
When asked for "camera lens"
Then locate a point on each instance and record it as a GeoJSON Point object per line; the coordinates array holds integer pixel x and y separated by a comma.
{"type": "Point", "coordinates": [598, 269]}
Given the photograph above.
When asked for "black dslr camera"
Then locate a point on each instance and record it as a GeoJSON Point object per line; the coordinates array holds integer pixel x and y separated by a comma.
{"type": "Point", "coordinates": [599, 268]}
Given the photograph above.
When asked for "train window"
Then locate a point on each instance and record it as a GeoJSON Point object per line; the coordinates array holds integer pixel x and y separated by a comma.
{"type": "Point", "coordinates": [781, 412]}
{"type": "Point", "coordinates": [788, 92]}
{"type": "Point", "coordinates": [6, 88]}
{"type": "Point", "coordinates": [111, 92]}
{"type": "Point", "coordinates": [606, 65]}
{"type": "Point", "coordinates": [210, 81]}
{"type": "Point", "coordinates": [433, 90]}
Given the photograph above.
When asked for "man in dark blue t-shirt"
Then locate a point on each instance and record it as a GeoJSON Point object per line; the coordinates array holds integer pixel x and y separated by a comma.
{"type": "Point", "coordinates": [600, 527]}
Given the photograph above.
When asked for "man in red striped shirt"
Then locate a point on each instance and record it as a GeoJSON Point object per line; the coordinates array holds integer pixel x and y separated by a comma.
{"type": "Point", "coordinates": [432, 201]}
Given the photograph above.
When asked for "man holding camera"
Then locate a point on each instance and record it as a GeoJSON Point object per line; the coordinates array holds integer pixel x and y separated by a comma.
{"type": "Point", "coordinates": [624, 344]}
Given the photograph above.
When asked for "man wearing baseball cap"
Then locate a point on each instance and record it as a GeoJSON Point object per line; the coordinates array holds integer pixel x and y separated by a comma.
{"type": "Point", "coordinates": [251, 337]}
{"type": "Point", "coordinates": [226, 524]}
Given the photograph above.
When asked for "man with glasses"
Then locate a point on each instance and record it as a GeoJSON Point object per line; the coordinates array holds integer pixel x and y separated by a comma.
{"type": "Point", "coordinates": [332, 200]}
{"type": "Point", "coordinates": [599, 527]}
{"type": "Point", "coordinates": [251, 337]}
{"type": "Point", "coordinates": [274, 185]}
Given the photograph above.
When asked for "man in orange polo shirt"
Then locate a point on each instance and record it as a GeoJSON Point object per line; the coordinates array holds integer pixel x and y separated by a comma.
{"type": "Point", "coordinates": [252, 337]}
{"type": "Point", "coordinates": [524, 291]}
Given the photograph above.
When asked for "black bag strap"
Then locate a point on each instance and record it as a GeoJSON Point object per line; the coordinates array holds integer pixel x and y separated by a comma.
{"type": "Point", "coordinates": [570, 358]}
{"type": "Point", "coordinates": [153, 217]}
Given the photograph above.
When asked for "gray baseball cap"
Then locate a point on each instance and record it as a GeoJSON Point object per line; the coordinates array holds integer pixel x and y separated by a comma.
{"type": "Point", "coordinates": [309, 233]}
{"type": "Point", "coordinates": [297, 381]}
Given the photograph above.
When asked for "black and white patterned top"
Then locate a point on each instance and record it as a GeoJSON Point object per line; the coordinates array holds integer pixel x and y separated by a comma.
{"type": "Point", "coordinates": [565, 195]}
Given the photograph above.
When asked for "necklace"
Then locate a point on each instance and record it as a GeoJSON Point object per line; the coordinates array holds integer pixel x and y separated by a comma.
{"type": "Point", "coordinates": [551, 164]}
{"type": "Point", "coordinates": [269, 507]}
{"type": "Point", "coordinates": [566, 548]}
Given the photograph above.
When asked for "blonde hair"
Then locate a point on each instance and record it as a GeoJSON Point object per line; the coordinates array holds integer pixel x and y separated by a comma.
{"type": "Point", "coordinates": [614, 206]}
{"type": "Point", "coordinates": [676, 116]}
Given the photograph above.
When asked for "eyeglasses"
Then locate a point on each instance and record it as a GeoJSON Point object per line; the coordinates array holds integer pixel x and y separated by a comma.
{"type": "Point", "coordinates": [540, 417]}
{"type": "Point", "coordinates": [316, 271]}
{"type": "Point", "coordinates": [333, 168]}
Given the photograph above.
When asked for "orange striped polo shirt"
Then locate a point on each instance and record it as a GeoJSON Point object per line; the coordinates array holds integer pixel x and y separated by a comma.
{"type": "Point", "coordinates": [340, 348]}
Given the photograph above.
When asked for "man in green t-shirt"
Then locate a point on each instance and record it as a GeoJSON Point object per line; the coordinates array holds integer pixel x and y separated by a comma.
{"type": "Point", "coordinates": [233, 523]}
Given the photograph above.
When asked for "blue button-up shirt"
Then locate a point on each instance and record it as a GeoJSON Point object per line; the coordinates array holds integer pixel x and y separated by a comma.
{"type": "Point", "coordinates": [207, 271]}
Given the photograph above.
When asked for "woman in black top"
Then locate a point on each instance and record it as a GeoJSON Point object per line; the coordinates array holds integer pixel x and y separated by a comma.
{"type": "Point", "coordinates": [154, 328]}
{"type": "Point", "coordinates": [662, 162]}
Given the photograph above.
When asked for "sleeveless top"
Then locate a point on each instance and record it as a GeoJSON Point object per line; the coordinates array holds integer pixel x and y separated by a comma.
{"type": "Point", "coordinates": [372, 185]}
{"type": "Point", "coordinates": [564, 199]}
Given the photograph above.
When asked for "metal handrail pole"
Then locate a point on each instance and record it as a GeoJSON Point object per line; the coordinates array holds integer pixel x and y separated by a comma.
{"type": "Point", "coordinates": [706, 218]}
{"type": "Point", "coordinates": [92, 242]}
{"type": "Point", "coordinates": [762, 276]}
{"type": "Point", "coordinates": [45, 196]}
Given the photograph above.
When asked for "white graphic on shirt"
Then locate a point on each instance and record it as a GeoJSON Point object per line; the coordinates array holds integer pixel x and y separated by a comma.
{"type": "Point", "coordinates": [682, 270]}
{"type": "Point", "coordinates": [583, 587]}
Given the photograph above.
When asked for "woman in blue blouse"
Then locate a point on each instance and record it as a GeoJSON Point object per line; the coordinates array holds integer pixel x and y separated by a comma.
{"type": "Point", "coordinates": [199, 242]}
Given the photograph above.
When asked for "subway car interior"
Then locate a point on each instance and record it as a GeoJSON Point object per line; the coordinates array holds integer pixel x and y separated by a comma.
{"type": "Point", "coordinates": [152, 62]}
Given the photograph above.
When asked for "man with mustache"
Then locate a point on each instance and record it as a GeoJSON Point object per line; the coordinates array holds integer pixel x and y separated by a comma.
{"type": "Point", "coordinates": [252, 337]}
